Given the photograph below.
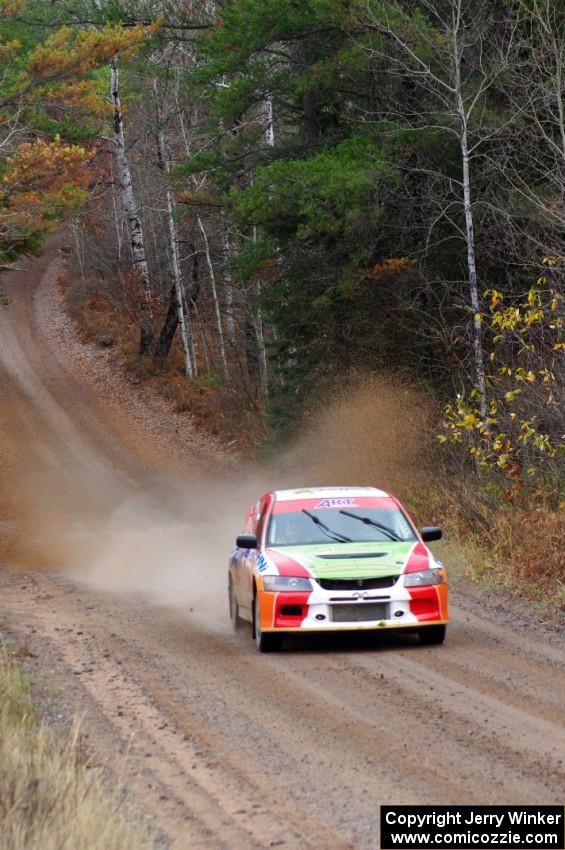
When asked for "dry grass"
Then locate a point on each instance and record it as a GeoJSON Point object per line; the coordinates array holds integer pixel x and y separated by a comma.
{"type": "Point", "coordinates": [515, 546]}
{"type": "Point", "coordinates": [51, 797]}
{"type": "Point", "coordinates": [524, 550]}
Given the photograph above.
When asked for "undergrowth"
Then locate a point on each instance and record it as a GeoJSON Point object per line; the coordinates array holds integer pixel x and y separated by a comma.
{"type": "Point", "coordinates": [231, 411]}
{"type": "Point", "coordinates": [514, 546]}
{"type": "Point", "coordinates": [51, 796]}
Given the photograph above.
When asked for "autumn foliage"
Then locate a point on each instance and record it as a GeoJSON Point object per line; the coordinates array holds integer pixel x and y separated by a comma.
{"type": "Point", "coordinates": [521, 437]}
{"type": "Point", "coordinates": [71, 53]}
{"type": "Point", "coordinates": [51, 104]}
{"type": "Point", "coordinates": [44, 182]}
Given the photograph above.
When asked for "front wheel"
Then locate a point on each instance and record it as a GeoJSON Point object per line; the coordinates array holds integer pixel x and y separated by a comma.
{"type": "Point", "coordinates": [264, 641]}
{"type": "Point", "coordinates": [433, 635]}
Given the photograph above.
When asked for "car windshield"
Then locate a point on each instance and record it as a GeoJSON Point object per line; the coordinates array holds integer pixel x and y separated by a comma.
{"type": "Point", "coordinates": [301, 528]}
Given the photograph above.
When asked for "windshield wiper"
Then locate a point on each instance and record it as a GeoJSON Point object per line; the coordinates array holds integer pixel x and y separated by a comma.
{"type": "Point", "coordinates": [335, 535]}
{"type": "Point", "coordinates": [368, 521]}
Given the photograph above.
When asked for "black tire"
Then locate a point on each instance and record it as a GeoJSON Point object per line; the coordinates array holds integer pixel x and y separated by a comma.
{"type": "Point", "coordinates": [433, 635]}
{"type": "Point", "coordinates": [265, 642]}
{"type": "Point", "coordinates": [236, 620]}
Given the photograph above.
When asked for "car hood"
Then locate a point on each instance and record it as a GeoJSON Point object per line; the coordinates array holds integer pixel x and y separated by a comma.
{"type": "Point", "coordinates": [347, 560]}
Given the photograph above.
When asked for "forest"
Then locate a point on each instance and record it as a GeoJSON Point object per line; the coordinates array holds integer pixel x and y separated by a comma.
{"type": "Point", "coordinates": [267, 199]}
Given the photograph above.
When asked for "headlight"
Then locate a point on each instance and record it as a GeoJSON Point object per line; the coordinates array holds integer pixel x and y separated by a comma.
{"type": "Point", "coordinates": [286, 583]}
{"type": "Point", "coordinates": [424, 577]}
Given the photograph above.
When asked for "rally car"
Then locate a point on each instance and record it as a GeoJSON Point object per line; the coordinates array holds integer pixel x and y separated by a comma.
{"type": "Point", "coordinates": [335, 559]}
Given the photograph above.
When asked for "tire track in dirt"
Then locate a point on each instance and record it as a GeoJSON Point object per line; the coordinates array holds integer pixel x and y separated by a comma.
{"type": "Point", "coordinates": [363, 710]}
{"type": "Point", "coordinates": [218, 785]}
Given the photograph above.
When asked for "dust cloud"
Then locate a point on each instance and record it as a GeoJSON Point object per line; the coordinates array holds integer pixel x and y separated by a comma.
{"type": "Point", "coordinates": [171, 549]}
{"type": "Point", "coordinates": [167, 539]}
{"type": "Point", "coordinates": [370, 433]}
{"type": "Point", "coordinates": [374, 431]}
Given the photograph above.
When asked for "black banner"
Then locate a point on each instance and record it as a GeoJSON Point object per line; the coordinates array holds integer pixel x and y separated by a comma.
{"type": "Point", "coordinates": [472, 827]}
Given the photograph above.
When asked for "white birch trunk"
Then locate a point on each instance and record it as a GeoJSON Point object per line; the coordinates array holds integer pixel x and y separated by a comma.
{"type": "Point", "coordinates": [263, 363]}
{"type": "Point", "coordinates": [226, 256]}
{"type": "Point", "coordinates": [261, 345]}
{"type": "Point", "coordinates": [134, 220]}
{"type": "Point", "coordinates": [188, 312]}
{"type": "Point", "coordinates": [269, 123]}
{"type": "Point", "coordinates": [221, 342]}
{"type": "Point", "coordinates": [270, 140]}
{"type": "Point", "coordinates": [190, 366]}
{"type": "Point", "coordinates": [469, 221]}
{"type": "Point", "coordinates": [228, 282]}
{"type": "Point", "coordinates": [472, 273]}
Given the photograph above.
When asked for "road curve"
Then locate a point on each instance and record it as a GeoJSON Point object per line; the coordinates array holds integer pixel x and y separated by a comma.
{"type": "Point", "coordinates": [113, 574]}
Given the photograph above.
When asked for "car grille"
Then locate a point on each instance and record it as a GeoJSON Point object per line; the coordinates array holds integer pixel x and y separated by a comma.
{"type": "Point", "coordinates": [359, 612]}
{"type": "Point", "coordinates": [356, 583]}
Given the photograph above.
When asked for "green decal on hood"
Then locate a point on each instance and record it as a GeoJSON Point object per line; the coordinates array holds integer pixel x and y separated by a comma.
{"type": "Point", "coordinates": [352, 560]}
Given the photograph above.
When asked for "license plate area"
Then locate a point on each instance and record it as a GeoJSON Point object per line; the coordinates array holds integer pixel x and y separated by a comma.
{"type": "Point", "coordinates": [359, 612]}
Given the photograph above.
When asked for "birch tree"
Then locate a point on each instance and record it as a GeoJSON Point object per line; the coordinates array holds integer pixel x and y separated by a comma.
{"type": "Point", "coordinates": [269, 136]}
{"type": "Point", "coordinates": [137, 240]}
{"type": "Point", "coordinates": [190, 365]}
{"type": "Point", "coordinates": [215, 299]}
{"type": "Point", "coordinates": [445, 51]}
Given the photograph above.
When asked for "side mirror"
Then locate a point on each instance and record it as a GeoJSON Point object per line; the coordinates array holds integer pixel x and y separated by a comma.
{"type": "Point", "coordinates": [431, 532]}
{"type": "Point", "coordinates": [246, 541]}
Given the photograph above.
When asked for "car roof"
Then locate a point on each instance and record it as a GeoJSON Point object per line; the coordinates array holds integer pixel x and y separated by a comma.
{"type": "Point", "coordinates": [327, 493]}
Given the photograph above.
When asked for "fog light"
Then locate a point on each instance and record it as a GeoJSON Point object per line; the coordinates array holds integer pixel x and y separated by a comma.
{"type": "Point", "coordinates": [320, 616]}
{"type": "Point", "coordinates": [291, 610]}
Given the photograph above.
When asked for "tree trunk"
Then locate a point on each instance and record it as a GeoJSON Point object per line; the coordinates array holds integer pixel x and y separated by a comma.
{"type": "Point", "coordinates": [263, 365]}
{"type": "Point", "coordinates": [194, 294]}
{"type": "Point", "coordinates": [228, 282]}
{"type": "Point", "coordinates": [217, 312]}
{"type": "Point", "coordinates": [134, 221]}
{"type": "Point", "coordinates": [269, 133]}
{"type": "Point", "coordinates": [182, 308]}
{"type": "Point", "coordinates": [464, 112]}
{"type": "Point", "coordinates": [269, 129]}
{"type": "Point", "coordinates": [203, 342]}
{"type": "Point", "coordinates": [168, 330]}
{"type": "Point", "coordinates": [309, 99]}
{"type": "Point", "coordinates": [263, 362]}
{"type": "Point", "coordinates": [472, 266]}
{"type": "Point", "coordinates": [252, 350]}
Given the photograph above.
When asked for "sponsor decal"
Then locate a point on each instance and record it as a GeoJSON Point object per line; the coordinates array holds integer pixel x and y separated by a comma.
{"type": "Point", "coordinates": [341, 502]}
{"type": "Point", "coordinates": [261, 563]}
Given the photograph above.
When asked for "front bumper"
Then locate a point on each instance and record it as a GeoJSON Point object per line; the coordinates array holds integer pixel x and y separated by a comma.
{"type": "Point", "coordinates": [328, 610]}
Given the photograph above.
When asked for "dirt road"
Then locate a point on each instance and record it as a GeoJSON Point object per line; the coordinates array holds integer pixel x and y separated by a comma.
{"type": "Point", "coordinates": [114, 532]}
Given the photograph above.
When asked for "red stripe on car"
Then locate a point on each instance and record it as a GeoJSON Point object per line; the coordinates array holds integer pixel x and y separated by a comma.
{"type": "Point", "coordinates": [286, 565]}
{"type": "Point", "coordinates": [418, 559]}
